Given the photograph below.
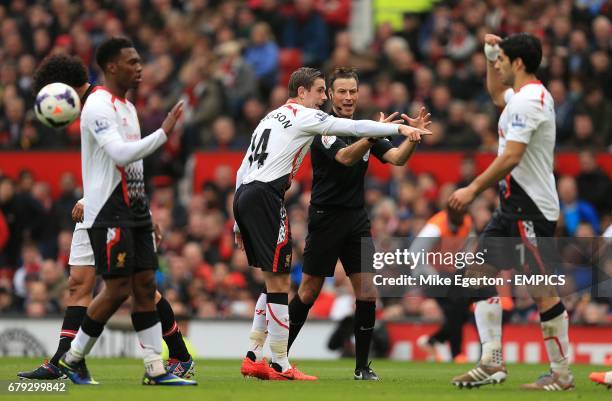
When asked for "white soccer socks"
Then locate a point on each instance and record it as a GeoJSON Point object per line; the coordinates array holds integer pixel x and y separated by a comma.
{"type": "Point", "coordinates": [555, 327]}
{"type": "Point", "coordinates": [83, 342]}
{"type": "Point", "coordinates": [488, 314]}
{"type": "Point", "coordinates": [149, 332]}
{"type": "Point", "coordinates": [278, 328]}
{"type": "Point", "coordinates": [259, 331]}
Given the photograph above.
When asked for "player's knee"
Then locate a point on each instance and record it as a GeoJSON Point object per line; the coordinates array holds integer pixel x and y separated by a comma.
{"type": "Point", "coordinates": [118, 289]}
{"type": "Point", "coordinates": [308, 293]}
{"type": "Point", "coordinates": [144, 288]}
{"type": "Point", "coordinates": [310, 287]}
{"type": "Point", "coordinates": [80, 288]}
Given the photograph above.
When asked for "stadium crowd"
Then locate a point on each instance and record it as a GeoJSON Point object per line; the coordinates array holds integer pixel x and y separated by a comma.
{"type": "Point", "coordinates": [230, 61]}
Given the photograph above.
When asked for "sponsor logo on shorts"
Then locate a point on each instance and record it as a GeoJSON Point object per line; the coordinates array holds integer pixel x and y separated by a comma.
{"type": "Point", "coordinates": [530, 233]}
{"type": "Point", "coordinates": [121, 259]}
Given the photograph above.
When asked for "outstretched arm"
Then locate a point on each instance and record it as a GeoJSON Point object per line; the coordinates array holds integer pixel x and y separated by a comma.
{"type": "Point", "coordinates": [351, 154]}
{"type": "Point", "coordinates": [317, 122]}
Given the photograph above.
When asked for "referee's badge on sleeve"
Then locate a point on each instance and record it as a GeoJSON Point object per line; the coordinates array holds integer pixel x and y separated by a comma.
{"type": "Point", "coordinates": [328, 141]}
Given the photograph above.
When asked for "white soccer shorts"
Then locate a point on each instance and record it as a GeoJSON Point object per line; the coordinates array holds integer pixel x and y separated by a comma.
{"type": "Point", "coordinates": [81, 253]}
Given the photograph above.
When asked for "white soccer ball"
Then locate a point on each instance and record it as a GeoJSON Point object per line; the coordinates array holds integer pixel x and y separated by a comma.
{"type": "Point", "coordinates": [57, 105]}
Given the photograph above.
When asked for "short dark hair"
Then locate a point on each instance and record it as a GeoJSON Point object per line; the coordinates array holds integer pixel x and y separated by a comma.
{"type": "Point", "coordinates": [68, 70]}
{"type": "Point", "coordinates": [526, 47]}
{"type": "Point", "coordinates": [304, 76]}
{"type": "Point", "coordinates": [110, 49]}
{"type": "Point", "coordinates": [343, 73]}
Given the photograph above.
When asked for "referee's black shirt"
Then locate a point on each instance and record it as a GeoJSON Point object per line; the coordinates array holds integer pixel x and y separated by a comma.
{"type": "Point", "coordinates": [335, 185]}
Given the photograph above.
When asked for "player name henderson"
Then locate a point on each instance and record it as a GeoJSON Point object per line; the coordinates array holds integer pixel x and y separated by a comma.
{"type": "Point", "coordinates": [458, 280]}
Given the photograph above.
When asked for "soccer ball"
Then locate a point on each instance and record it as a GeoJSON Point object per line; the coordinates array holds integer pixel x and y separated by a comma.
{"type": "Point", "coordinates": [57, 105]}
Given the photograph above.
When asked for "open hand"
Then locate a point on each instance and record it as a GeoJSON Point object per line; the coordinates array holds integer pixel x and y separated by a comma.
{"type": "Point", "coordinates": [390, 119]}
{"type": "Point", "coordinates": [172, 117]}
{"type": "Point", "coordinates": [421, 121]}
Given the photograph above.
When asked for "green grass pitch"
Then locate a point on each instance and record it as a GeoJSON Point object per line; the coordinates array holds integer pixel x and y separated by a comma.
{"type": "Point", "coordinates": [221, 380]}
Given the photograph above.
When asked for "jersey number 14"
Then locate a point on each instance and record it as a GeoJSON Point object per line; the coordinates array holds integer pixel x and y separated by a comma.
{"type": "Point", "coordinates": [259, 154]}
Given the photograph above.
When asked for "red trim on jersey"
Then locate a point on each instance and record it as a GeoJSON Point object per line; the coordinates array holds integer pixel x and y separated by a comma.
{"type": "Point", "coordinates": [124, 189]}
{"type": "Point", "coordinates": [113, 97]}
{"type": "Point", "coordinates": [293, 163]}
{"type": "Point", "coordinates": [281, 245]}
{"type": "Point", "coordinates": [508, 191]}
{"type": "Point", "coordinates": [534, 249]}
{"type": "Point", "coordinates": [293, 109]}
{"type": "Point", "coordinates": [535, 82]}
{"type": "Point", "coordinates": [542, 98]}
{"type": "Point", "coordinates": [172, 330]}
{"type": "Point", "coordinates": [110, 244]}
{"type": "Point", "coordinates": [276, 319]}
{"type": "Point", "coordinates": [556, 340]}
{"type": "Point", "coordinates": [291, 101]}
{"type": "Point", "coordinates": [68, 333]}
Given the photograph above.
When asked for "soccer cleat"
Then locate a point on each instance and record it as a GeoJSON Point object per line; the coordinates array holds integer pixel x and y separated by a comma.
{"type": "Point", "coordinates": [480, 376]}
{"type": "Point", "coordinates": [290, 374]}
{"type": "Point", "coordinates": [604, 378]}
{"type": "Point", "coordinates": [185, 370]}
{"type": "Point", "coordinates": [258, 369]}
{"type": "Point", "coordinates": [366, 373]}
{"type": "Point", "coordinates": [76, 372]}
{"type": "Point", "coordinates": [461, 358]}
{"type": "Point", "coordinates": [551, 382]}
{"type": "Point", "coordinates": [46, 371]}
{"type": "Point", "coordinates": [167, 379]}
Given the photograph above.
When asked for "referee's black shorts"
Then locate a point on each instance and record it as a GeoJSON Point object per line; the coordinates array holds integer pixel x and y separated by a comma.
{"type": "Point", "coordinates": [337, 234]}
{"type": "Point", "coordinates": [260, 213]}
{"type": "Point", "coordinates": [526, 245]}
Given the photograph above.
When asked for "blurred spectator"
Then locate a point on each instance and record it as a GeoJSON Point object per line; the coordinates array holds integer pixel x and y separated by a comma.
{"type": "Point", "coordinates": [573, 209]}
{"type": "Point", "coordinates": [236, 75]}
{"type": "Point", "coordinates": [593, 184]}
{"type": "Point", "coordinates": [53, 277]}
{"type": "Point", "coordinates": [31, 261]}
{"type": "Point", "coordinates": [224, 134]}
{"type": "Point", "coordinates": [599, 110]}
{"type": "Point", "coordinates": [262, 55]}
{"type": "Point", "coordinates": [584, 134]}
{"type": "Point", "coordinates": [564, 111]}
{"type": "Point", "coordinates": [15, 215]}
{"type": "Point", "coordinates": [203, 103]}
{"type": "Point", "coordinates": [307, 30]}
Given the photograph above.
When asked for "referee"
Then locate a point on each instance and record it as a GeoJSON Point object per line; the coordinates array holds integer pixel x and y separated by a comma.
{"type": "Point", "coordinates": [337, 219]}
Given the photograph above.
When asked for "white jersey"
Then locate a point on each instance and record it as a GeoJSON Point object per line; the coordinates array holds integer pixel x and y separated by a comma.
{"type": "Point", "coordinates": [529, 117]}
{"type": "Point", "coordinates": [114, 196]}
{"type": "Point", "coordinates": [283, 137]}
